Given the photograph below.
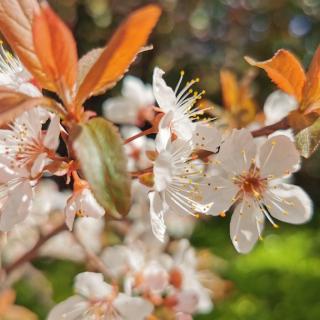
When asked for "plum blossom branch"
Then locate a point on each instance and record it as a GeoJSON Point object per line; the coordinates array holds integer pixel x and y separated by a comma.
{"type": "Point", "coordinates": [31, 254]}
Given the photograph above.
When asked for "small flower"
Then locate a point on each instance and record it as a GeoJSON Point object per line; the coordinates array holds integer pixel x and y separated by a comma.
{"type": "Point", "coordinates": [82, 204]}
{"type": "Point", "coordinates": [96, 299]}
{"type": "Point", "coordinates": [134, 106]}
{"type": "Point", "coordinates": [181, 114]}
{"type": "Point", "coordinates": [250, 178]}
{"type": "Point", "coordinates": [176, 185]}
{"type": "Point", "coordinates": [27, 145]}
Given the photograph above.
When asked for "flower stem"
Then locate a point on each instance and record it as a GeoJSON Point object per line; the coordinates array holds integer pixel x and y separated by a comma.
{"type": "Point", "coordinates": [283, 124]}
{"type": "Point", "coordinates": [141, 134]}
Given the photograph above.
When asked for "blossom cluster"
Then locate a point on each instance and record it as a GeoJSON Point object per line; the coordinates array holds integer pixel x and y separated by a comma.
{"type": "Point", "coordinates": [201, 161]}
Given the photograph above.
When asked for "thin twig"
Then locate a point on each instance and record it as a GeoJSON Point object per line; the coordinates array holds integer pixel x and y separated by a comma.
{"type": "Point", "coordinates": [265, 131]}
{"type": "Point", "coordinates": [141, 134]}
{"type": "Point", "coordinates": [31, 254]}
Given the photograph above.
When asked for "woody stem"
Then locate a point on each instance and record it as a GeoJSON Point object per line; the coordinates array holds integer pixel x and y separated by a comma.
{"type": "Point", "coordinates": [141, 134]}
{"type": "Point", "coordinates": [32, 253]}
{"type": "Point", "coordinates": [283, 124]}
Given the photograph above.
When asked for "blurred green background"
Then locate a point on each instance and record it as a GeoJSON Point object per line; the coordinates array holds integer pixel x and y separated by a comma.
{"type": "Point", "coordinates": [280, 279]}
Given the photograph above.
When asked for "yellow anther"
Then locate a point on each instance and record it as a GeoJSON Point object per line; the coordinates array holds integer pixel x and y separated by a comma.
{"type": "Point", "coordinates": [182, 72]}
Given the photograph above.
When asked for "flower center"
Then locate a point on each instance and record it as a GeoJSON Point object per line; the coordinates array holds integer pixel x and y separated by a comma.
{"type": "Point", "coordinates": [251, 183]}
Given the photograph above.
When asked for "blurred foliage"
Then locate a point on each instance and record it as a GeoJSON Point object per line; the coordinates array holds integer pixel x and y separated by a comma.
{"type": "Point", "coordinates": [280, 279]}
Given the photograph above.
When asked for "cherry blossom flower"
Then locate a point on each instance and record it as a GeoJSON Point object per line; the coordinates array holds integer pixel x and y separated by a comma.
{"type": "Point", "coordinates": [134, 106]}
{"type": "Point", "coordinates": [27, 145]}
{"type": "Point", "coordinates": [136, 149]}
{"type": "Point", "coordinates": [181, 114]}
{"type": "Point", "coordinates": [176, 188]}
{"type": "Point", "coordinates": [250, 178]}
{"type": "Point", "coordinates": [96, 299]}
{"type": "Point", "coordinates": [82, 204]}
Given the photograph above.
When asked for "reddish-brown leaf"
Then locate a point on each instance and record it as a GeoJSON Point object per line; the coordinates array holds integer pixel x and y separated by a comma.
{"type": "Point", "coordinates": [16, 25]}
{"type": "Point", "coordinates": [13, 103]}
{"type": "Point", "coordinates": [311, 91]}
{"type": "Point", "coordinates": [285, 71]}
{"type": "Point", "coordinates": [56, 49]}
{"type": "Point", "coordinates": [119, 52]}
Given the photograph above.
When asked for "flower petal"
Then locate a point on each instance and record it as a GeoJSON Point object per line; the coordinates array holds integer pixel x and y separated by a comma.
{"type": "Point", "coordinates": [164, 95]}
{"type": "Point", "coordinates": [121, 110]}
{"type": "Point", "coordinates": [246, 225]}
{"type": "Point", "coordinates": [132, 308]}
{"type": "Point", "coordinates": [237, 152]}
{"type": "Point", "coordinates": [278, 157]}
{"type": "Point", "coordinates": [39, 164]}
{"type": "Point", "coordinates": [135, 90]}
{"type": "Point", "coordinates": [52, 138]}
{"type": "Point", "coordinates": [221, 192]}
{"type": "Point", "coordinates": [92, 286]}
{"type": "Point", "coordinates": [17, 206]}
{"type": "Point", "coordinates": [71, 309]}
{"type": "Point", "coordinates": [277, 106]}
{"type": "Point", "coordinates": [289, 203]}
{"type": "Point", "coordinates": [157, 210]}
{"type": "Point", "coordinates": [206, 138]}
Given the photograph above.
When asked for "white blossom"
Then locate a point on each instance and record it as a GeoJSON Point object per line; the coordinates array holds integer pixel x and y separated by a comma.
{"type": "Point", "coordinates": [135, 104]}
{"type": "Point", "coordinates": [83, 204]}
{"type": "Point", "coordinates": [96, 299]}
{"type": "Point", "coordinates": [249, 178]}
{"type": "Point", "coordinates": [181, 114]}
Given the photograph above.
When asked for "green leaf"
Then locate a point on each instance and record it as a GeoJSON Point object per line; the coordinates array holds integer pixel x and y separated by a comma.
{"type": "Point", "coordinates": [99, 149]}
{"type": "Point", "coordinates": [308, 139]}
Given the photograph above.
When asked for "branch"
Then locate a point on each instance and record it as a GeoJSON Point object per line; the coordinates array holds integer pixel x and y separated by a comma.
{"type": "Point", "coordinates": [265, 131]}
{"type": "Point", "coordinates": [31, 254]}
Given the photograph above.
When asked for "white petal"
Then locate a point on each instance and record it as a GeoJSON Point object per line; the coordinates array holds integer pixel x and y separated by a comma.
{"type": "Point", "coordinates": [132, 308]}
{"type": "Point", "coordinates": [135, 90]}
{"type": "Point", "coordinates": [92, 286]}
{"type": "Point", "coordinates": [163, 139]}
{"type": "Point", "coordinates": [246, 222]}
{"type": "Point", "coordinates": [237, 152]}
{"type": "Point", "coordinates": [221, 192]}
{"type": "Point", "coordinates": [52, 138]}
{"type": "Point", "coordinates": [70, 212]}
{"type": "Point", "coordinates": [289, 203]}
{"type": "Point", "coordinates": [278, 157]}
{"type": "Point", "coordinates": [89, 205]}
{"type": "Point", "coordinates": [278, 105]}
{"type": "Point", "coordinates": [183, 316]}
{"type": "Point", "coordinates": [162, 170]}
{"type": "Point", "coordinates": [17, 206]}
{"type": "Point", "coordinates": [155, 278]}
{"type": "Point", "coordinates": [164, 95]}
{"type": "Point", "coordinates": [157, 210]}
{"type": "Point", "coordinates": [187, 302]}
{"type": "Point", "coordinates": [39, 164]}
{"type": "Point", "coordinates": [70, 309]}
{"type": "Point", "coordinates": [206, 138]}
{"type": "Point", "coordinates": [121, 110]}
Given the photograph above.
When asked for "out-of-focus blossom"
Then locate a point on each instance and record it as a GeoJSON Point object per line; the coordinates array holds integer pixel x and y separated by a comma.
{"type": "Point", "coordinates": [82, 203]}
{"type": "Point", "coordinates": [96, 299]}
{"type": "Point", "coordinates": [251, 178]}
{"type": "Point", "coordinates": [136, 149]}
{"type": "Point", "coordinates": [134, 106]}
{"type": "Point", "coordinates": [181, 114]}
